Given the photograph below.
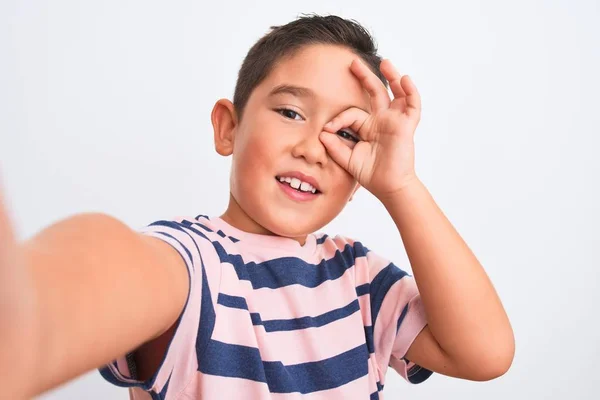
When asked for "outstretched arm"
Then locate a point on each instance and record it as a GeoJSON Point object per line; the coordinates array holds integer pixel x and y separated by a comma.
{"type": "Point", "coordinates": [79, 294]}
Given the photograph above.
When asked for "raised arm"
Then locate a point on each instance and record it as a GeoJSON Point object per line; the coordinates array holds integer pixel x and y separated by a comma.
{"type": "Point", "coordinates": [79, 294]}
{"type": "Point", "coordinates": [468, 334]}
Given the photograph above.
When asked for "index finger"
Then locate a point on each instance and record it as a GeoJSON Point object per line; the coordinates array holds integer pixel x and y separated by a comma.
{"type": "Point", "coordinates": [380, 98]}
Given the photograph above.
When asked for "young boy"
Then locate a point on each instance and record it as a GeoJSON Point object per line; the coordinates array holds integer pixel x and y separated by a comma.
{"type": "Point", "coordinates": [252, 304]}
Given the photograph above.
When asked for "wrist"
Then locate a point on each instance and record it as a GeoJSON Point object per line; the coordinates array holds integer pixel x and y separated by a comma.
{"type": "Point", "coordinates": [408, 184]}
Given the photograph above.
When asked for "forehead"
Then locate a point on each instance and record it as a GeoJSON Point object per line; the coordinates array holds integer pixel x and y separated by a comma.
{"type": "Point", "coordinates": [325, 70]}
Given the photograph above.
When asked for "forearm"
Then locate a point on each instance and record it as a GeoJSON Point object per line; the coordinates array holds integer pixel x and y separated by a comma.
{"type": "Point", "coordinates": [464, 313]}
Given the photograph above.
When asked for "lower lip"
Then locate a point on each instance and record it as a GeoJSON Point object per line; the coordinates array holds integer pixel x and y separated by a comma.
{"type": "Point", "coordinates": [296, 194]}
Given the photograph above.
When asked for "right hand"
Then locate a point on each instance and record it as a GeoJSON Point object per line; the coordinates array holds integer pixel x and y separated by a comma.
{"type": "Point", "coordinates": [17, 316]}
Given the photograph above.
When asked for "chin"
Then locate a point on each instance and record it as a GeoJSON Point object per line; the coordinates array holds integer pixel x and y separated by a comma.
{"type": "Point", "coordinates": [284, 218]}
{"type": "Point", "coordinates": [288, 223]}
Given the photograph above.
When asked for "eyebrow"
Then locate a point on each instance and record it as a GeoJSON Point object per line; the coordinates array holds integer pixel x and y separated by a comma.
{"type": "Point", "coordinates": [296, 91]}
{"type": "Point", "coordinates": [300, 91]}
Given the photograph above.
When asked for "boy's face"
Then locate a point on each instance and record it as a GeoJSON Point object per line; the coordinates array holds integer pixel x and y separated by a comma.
{"type": "Point", "coordinates": [278, 137]}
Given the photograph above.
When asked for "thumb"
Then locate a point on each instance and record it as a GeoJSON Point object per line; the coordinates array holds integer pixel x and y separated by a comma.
{"type": "Point", "coordinates": [339, 152]}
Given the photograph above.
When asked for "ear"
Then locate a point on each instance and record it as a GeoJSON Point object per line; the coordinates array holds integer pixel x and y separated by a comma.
{"type": "Point", "coordinates": [355, 189]}
{"type": "Point", "coordinates": [224, 122]}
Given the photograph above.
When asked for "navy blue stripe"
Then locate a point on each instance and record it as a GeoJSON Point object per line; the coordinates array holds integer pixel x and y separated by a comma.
{"type": "Point", "coordinates": [182, 245]}
{"type": "Point", "coordinates": [369, 339]}
{"type": "Point", "coordinates": [196, 231]}
{"type": "Point", "coordinates": [206, 228]}
{"type": "Point", "coordinates": [401, 318]}
{"type": "Point", "coordinates": [206, 324]}
{"type": "Point", "coordinates": [232, 301]}
{"type": "Point", "coordinates": [190, 223]}
{"type": "Point", "coordinates": [278, 325]}
{"type": "Point", "coordinates": [175, 225]}
{"type": "Point", "coordinates": [234, 240]}
{"type": "Point", "coordinates": [320, 375]}
{"type": "Point", "coordinates": [322, 239]}
{"type": "Point", "coordinates": [418, 374]}
{"type": "Point", "coordinates": [163, 393]}
{"type": "Point", "coordinates": [287, 271]}
{"type": "Point", "coordinates": [221, 233]}
{"type": "Point", "coordinates": [169, 224]}
{"type": "Point", "coordinates": [255, 317]}
{"type": "Point", "coordinates": [381, 285]}
{"type": "Point", "coordinates": [232, 360]}
{"type": "Point", "coordinates": [362, 289]}
{"type": "Point", "coordinates": [244, 362]}
{"type": "Point", "coordinates": [375, 395]}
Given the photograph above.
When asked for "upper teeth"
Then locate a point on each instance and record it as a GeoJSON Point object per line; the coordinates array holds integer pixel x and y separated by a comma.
{"type": "Point", "coordinates": [298, 184]}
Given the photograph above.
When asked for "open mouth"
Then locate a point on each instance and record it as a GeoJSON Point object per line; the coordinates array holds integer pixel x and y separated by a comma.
{"type": "Point", "coordinates": [298, 185]}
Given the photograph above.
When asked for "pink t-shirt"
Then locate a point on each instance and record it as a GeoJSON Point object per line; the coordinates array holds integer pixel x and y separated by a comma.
{"type": "Point", "coordinates": [268, 318]}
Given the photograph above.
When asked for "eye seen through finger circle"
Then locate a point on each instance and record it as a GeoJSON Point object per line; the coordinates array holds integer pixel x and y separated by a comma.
{"type": "Point", "coordinates": [348, 136]}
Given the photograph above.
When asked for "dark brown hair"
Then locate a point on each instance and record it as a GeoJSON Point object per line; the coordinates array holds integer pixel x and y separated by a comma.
{"type": "Point", "coordinates": [284, 41]}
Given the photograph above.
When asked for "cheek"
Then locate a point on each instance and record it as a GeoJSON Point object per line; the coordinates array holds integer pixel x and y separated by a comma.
{"type": "Point", "coordinates": [339, 193]}
{"type": "Point", "coordinates": [255, 159]}
{"type": "Point", "coordinates": [343, 191]}
{"type": "Point", "coordinates": [344, 183]}
{"type": "Point", "coordinates": [257, 152]}
{"type": "Point", "coordinates": [262, 144]}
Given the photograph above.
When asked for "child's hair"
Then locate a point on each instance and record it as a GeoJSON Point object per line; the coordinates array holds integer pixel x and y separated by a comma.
{"type": "Point", "coordinates": [283, 41]}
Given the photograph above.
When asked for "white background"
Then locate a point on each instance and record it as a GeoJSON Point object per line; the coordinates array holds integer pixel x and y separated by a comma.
{"type": "Point", "coordinates": [104, 106]}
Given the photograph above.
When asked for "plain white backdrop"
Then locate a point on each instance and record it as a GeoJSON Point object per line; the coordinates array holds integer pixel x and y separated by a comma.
{"type": "Point", "coordinates": [104, 106]}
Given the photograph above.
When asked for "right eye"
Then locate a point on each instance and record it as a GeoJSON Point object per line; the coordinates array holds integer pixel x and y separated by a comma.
{"type": "Point", "coordinates": [348, 136]}
{"type": "Point", "coordinates": [290, 114]}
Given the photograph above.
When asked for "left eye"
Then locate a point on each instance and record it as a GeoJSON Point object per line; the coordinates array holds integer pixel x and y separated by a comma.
{"type": "Point", "coordinates": [348, 136]}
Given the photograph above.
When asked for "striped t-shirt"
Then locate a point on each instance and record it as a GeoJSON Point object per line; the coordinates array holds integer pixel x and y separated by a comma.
{"type": "Point", "coordinates": [269, 318]}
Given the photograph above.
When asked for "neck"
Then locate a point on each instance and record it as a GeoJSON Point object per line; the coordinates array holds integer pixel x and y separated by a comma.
{"type": "Point", "coordinates": [238, 218]}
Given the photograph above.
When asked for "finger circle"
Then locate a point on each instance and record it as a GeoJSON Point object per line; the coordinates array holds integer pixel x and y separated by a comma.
{"type": "Point", "coordinates": [353, 118]}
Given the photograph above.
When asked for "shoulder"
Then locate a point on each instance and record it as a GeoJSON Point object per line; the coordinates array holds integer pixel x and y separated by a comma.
{"type": "Point", "coordinates": [342, 243]}
{"type": "Point", "coordinates": [197, 228]}
{"type": "Point", "coordinates": [196, 240]}
{"type": "Point", "coordinates": [357, 250]}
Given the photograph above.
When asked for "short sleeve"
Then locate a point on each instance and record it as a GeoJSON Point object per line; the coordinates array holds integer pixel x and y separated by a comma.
{"type": "Point", "coordinates": [180, 360]}
{"type": "Point", "coordinates": [397, 315]}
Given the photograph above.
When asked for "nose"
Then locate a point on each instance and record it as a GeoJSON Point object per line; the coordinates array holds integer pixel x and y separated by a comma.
{"type": "Point", "coordinates": [311, 149]}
